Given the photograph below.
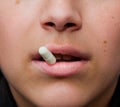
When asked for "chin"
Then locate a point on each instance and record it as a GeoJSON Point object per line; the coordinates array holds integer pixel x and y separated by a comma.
{"type": "Point", "coordinates": [60, 95]}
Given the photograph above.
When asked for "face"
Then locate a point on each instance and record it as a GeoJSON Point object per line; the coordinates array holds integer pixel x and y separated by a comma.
{"type": "Point", "coordinates": [83, 35]}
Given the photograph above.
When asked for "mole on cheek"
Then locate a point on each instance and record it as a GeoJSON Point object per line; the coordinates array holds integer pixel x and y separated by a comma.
{"type": "Point", "coordinates": [112, 17]}
{"type": "Point", "coordinates": [105, 43]}
{"type": "Point", "coordinates": [17, 1]}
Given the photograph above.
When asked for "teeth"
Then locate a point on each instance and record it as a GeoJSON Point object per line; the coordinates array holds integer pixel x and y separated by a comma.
{"type": "Point", "coordinates": [67, 57]}
{"type": "Point", "coordinates": [60, 57]}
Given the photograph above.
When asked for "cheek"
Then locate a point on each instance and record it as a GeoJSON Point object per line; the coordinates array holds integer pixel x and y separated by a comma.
{"type": "Point", "coordinates": [105, 40]}
{"type": "Point", "coordinates": [108, 58]}
{"type": "Point", "coordinates": [104, 21]}
{"type": "Point", "coordinates": [106, 31]}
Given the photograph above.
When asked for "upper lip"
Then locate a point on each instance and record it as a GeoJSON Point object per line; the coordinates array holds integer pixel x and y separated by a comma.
{"type": "Point", "coordinates": [64, 50]}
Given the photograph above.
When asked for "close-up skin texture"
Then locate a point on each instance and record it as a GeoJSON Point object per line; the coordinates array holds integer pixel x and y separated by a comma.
{"type": "Point", "coordinates": [86, 33]}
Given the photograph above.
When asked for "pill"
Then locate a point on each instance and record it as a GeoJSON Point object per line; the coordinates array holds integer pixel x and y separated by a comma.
{"type": "Point", "coordinates": [47, 55]}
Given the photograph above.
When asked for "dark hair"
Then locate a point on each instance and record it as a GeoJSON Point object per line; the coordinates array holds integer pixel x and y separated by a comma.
{"type": "Point", "coordinates": [1, 75]}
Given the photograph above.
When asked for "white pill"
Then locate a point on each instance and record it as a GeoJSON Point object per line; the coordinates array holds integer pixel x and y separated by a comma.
{"type": "Point", "coordinates": [47, 55]}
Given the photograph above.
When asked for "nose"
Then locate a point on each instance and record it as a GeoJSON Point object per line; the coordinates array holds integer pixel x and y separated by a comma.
{"type": "Point", "coordinates": [61, 15]}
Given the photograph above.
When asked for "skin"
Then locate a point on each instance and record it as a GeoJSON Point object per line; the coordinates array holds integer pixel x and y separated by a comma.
{"type": "Point", "coordinates": [96, 31]}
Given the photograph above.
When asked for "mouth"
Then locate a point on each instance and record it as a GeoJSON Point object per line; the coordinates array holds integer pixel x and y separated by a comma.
{"type": "Point", "coordinates": [69, 61]}
{"type": "Point", "coordinates": [65, 55]}
{"type": "Point", "coordinates": [64, 58]}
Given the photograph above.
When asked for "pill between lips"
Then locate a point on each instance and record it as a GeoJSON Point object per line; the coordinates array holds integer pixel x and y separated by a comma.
{"type": "Point", "coordinates": [47, 55]}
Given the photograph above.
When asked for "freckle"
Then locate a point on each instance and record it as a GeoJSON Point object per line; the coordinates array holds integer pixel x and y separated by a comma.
{"type": "Point", "coordinates": [112, 17]}
{"type": "Point", "coordinates": [17, 1]}
{"type": "Point", "coordinates": [104, 50]}
{"type": "Point", "coordinates": [105, 42]}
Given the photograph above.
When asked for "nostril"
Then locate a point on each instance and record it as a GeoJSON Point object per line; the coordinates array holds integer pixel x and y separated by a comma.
{"type": "Point", "coordinates": [50, 24]}
{"type": "Point", "coordinates": [68, 25]}
{"type": "Point", "coordinates": [71, 26]}
{"type": "Point", "coordinates": [61, 27]}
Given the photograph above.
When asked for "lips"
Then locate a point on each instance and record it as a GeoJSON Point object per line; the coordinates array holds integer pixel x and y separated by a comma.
{"type": "Point", "coordinates": [70, 61]}
{"type": "Point", "coordinates": [64, 58]}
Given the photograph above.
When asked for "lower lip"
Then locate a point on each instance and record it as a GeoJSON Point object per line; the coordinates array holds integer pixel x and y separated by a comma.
{"type": "Point", "coordinates": [61, 69]}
